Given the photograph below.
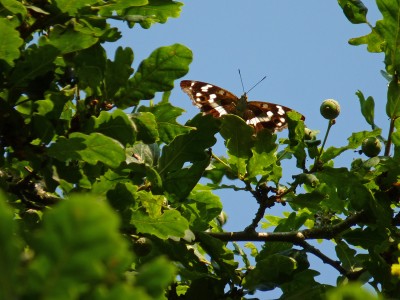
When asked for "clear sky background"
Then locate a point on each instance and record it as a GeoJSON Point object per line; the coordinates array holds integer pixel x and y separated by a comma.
{"type": "Point", "coordinates": [302, 47]}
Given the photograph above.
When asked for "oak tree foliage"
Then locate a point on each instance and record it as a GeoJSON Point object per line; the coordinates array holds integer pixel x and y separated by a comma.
{"type": "Point", "coordinates": [100, 195]}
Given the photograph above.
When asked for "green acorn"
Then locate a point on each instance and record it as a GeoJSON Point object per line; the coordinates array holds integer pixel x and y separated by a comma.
{"type": "Point", "coordinates": [371, 147]}
{"type": "Point", "coordinates": [330, 109]}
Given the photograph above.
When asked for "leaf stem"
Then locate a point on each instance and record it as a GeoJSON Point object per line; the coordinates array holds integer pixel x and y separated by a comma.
{"type": "Point", "coordinates": [220, 161]}
{"type": "Point", "coordinates": [330, 124]}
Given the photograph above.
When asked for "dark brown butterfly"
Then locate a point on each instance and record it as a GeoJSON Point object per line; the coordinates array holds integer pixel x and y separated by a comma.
{"type": "Point", "coordinates": [217, 101]}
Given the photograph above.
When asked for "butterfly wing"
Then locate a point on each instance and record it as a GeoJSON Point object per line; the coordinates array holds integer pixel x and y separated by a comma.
{"type": "Point", "coordinates": [210, 98]}
{"type": "Point", "coordinates": [262, 115]}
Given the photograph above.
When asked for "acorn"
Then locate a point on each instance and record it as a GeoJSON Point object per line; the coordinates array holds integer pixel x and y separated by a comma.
{"type": "Point", "coordinates": [371, 147]}
{"type": "Point", "coordinates": [330, 109]}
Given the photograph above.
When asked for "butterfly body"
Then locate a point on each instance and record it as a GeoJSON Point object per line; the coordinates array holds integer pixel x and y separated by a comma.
{"type": "Point", "coordinates": [217, 101]}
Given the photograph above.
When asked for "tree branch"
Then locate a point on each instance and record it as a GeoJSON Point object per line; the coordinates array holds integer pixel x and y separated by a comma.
{"type": "Point", "coordinates": [325, 259]}
{"type": "Point", "coordinates": [294, 237]}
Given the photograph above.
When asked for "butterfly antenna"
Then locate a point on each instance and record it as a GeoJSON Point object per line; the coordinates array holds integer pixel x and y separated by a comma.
{"type": "Point", "coordinates": [241, 81]}
{"type": "Point", "coordinates": [256, 84]}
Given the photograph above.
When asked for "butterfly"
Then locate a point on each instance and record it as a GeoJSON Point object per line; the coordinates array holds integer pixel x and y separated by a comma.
{"type": "Point", "coordinates": [217, 101]}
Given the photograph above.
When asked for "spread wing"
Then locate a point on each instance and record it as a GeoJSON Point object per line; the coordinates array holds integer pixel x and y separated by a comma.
{"type": "Point", "coordinates": [266, 115]}
{"type": "Point", "coordinates": [210, 98]}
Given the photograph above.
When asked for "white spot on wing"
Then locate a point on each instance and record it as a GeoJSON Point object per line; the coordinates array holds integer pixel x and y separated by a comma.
{"type": "Point", "coordinates": [253, 121]}
{"type": "Point", "coordinates": [270, 114]}
{"type": "Point", "coordinates": [206, 87]}
{"type": "Point", "coordinates": [221, 110]}
{"type": "Point", "coordinates": [280, 110]}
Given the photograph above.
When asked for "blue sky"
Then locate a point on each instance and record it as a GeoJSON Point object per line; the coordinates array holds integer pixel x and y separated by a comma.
{"type": "Point", "coordinates": [302, 47]}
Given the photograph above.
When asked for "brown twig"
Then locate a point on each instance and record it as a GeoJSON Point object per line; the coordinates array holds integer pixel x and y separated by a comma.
{"type": "Point", "coordinates": [389, 139]}
{"type": "Point", "coordinates": [294, 237]}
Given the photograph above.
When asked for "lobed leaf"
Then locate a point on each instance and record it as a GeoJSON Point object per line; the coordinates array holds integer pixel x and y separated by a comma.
{"type": "Point", "coordinates": [72, 7]}
{"type": "Point", "coordinates": [354, 10]}
{"type": "Point", "coordinates": [69, 39]}
{"type": "Point", "coordinates": [189, 147]}
{"type": "Point", "coordinates": [166, 115]}
{"type": "Point", "coordinates": [157, 10]}
{"type": "Point", "coordinates": [116, 125]}
{"type": "Point", "coordinates": [168, 225]}
{"type": "Point", "coordinates": [37, 62]}
{"type": "Point", "coordinates": [157, 73]}
{"type": "Point", "coordinates": [264, 154]}
{"type": "Point", "coordinates": [92, 148]}
{"type": "Point", "coordinates": [10, 42]}
{"type": "Point", "coordinates": [181, 182]}
{"type": "Point", "coordinates": [238, 141]}
{"type": "Point", "coordinates": [117, 72]}
{"type": "Point", "coordinates": [146, 125]}
{"type": "Point", "coordinates": [201, 208]}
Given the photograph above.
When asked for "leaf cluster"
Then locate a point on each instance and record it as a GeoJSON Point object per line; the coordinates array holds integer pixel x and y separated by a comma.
{"type": "Point", "coordinates": [106, 195]}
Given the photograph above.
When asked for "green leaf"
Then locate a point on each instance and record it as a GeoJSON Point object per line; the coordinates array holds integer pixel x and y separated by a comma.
{"type": "Point", "coordinates": [157, 73]}
{"type": "Point", "coordinates": [15, 7]}
{"type": "Point", "coordinates": [270, 273]}
{"type": "Point", "coordinates": [152, 203]}
{"type": "Point", "coordinates": [352, 291]}
{"type": "Point", "coordinates": [69, 39]}
{"type": "Point", "coordinates": [189, 147]}
{"type": "Point", "coordinates": [346, 255]}
{"type": "Point", "coordinates": [90, 65]}
{"type": "Point", "coordinates": [118, 71]}
{"type": "Point", "coordinates": [389, 28]}
{"type": "Point", "coordinates": [10, 252]}
{"type": "Point", "coordinates": [37, 61]}
{"type": "Point", "coordinates": [10, 42]}
{"type": "Point", "coordinates": [116, 125]}
{"type": "Point", "coordinates": [120, 6]}
{"type": "Point", "coordinates": [146, 126]}
{"type": "Point", "coordinates": [145, 153]}
{"type": "Point", "coordinates": [220, 254]}
{"type": "Point", "coordinates": [169, 225]}
{"type": "Point", "coordinates": [367, 108]}
{"type": "Point", "coordinates": [296, 137]}
{"type": "Point", "coordinates": [72, 7]}
{"type": "Point", "coordinates": [158, 10]}
{"type": "Point", "coordinates": [181, 182]}
{"type": "Point", "coordinates": [238, 140]}
{"type": "Point", "coordinates": [354, 10]}
{"type": "Point", "coordinates": [201, 208]}
{"type": "Point", "coordinates": [355, 141]}
{"type": "Point", "coordinates": [304, 286]}
{"type": "Point", "coordinates": [92, 148]}
{"type": "Point", "coordinates": [384, 36]}
{"type": "Point", "coordinates": [393, 103]}
{"type": "Point", "coordinates": [156, 276]}
{"type": "Point", "coordinates": [166, 115]}
{"type": "Point", "coordinates": [264, 154]}
{"type": "Point", "coordinates": [367, 238]}
{"type": "Point", "coordinates": [42, 129]}
{"type": "Point", "coordinates": [76, 250]}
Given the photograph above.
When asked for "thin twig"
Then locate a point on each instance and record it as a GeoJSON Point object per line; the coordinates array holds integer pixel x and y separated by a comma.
{"type": "Point", "coordinates": [389, 139]}
{"type": "Point", "coordinates": [325, 259]}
